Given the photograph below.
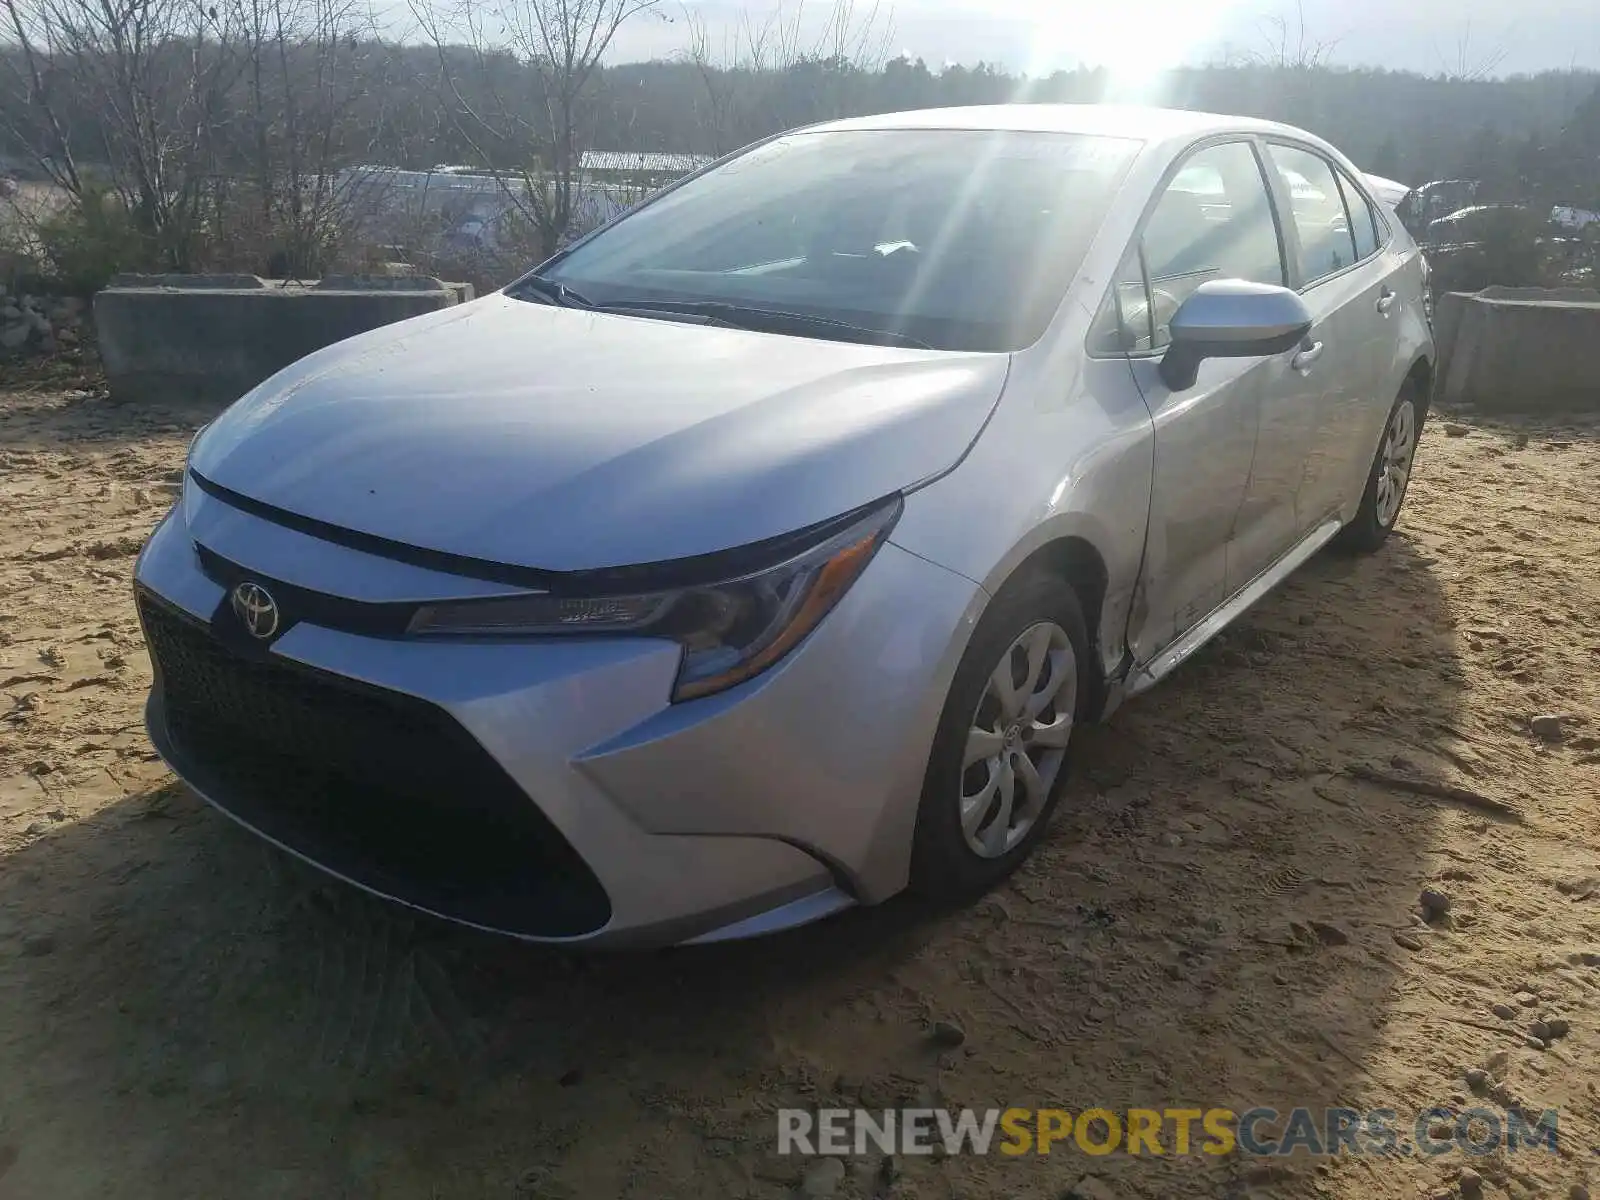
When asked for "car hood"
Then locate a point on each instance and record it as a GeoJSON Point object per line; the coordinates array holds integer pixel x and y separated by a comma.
{"type": "Point", "coordinates": [568, 440]}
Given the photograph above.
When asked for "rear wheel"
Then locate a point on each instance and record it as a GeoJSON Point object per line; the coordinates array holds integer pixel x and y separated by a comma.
{"type": "Point", "coordinates": [1001, 749]}
{"type": "Point", "coordinates": [1389, 477]}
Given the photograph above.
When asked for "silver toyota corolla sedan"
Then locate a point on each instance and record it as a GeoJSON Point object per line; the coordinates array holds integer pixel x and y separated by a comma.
{"type": "Point", "coordinates": [757, 555]}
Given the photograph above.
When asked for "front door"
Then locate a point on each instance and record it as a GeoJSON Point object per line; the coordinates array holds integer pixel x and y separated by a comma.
{"type": "Point", "coordinates": [1213, 220]}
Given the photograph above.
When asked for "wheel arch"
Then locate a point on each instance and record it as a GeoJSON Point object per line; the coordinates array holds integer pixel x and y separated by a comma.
{"type": "Point", "coordinates": [1074, 558]}
{"type": "Point", "coordinates": [1420, 376]}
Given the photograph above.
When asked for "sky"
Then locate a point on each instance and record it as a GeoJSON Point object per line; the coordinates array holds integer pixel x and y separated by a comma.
{"type": "Point", "coordinates": [1039, 36]}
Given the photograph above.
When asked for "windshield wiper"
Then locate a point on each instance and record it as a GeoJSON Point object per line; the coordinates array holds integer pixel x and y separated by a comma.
{"type": "Point", "coordinates": [767, 320]}
{"type": "Point", "coordinates": [553, 291]}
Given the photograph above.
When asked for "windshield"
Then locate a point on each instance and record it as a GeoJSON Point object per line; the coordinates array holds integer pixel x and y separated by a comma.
{"type": "Point", "coordinates": [961, 239]}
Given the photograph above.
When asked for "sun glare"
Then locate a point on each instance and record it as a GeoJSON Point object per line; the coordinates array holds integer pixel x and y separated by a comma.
{"type": "Point", "coordinates": [1135, 48]}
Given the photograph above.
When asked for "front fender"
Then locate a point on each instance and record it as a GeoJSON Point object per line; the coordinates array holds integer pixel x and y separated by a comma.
{"type": "Point", "coordinates": [1054, 463]}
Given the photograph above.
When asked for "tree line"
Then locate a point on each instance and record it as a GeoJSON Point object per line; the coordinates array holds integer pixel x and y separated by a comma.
{"type": "Point", "coordinates": [219, 134]}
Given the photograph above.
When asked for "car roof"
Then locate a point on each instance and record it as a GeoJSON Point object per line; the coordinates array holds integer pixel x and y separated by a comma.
{"type": "Point", "coordinates": [1108, 120]}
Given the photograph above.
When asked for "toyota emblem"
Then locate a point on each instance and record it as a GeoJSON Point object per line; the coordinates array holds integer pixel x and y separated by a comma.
{"type": "Point", "coordinates": [256, 609]}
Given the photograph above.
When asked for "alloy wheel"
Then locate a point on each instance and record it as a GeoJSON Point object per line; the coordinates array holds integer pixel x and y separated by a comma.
{"type": "Point", "coordinates": [1018, 739]}
{"type": "Point", "coordinates": [1394, 469]}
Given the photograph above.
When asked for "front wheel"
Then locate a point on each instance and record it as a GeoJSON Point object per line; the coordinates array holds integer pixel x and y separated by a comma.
{"type": "Point", "coordinates": [1001, 746]}
{"type": "Point", "coordinates": [1389, 477]}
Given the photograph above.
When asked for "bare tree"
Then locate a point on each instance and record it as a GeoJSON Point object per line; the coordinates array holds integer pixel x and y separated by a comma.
{"type": "Point", "coordinates": [721, 77]}
{"type": "Point", "coordinates": [155, 74]}
{"type": "Point", "coordinates": [32, 114]}
{"type": "Point", "coordinates": [1466, 65]}
{"type": "Point", "coordinates": [731, 76]}
{"type": "Point", "coordinates": [309, 64]}
{"type": "Point", "coordinates": [1296, 60]}
{"type": "Point", "coordinates": [1289, 44]}
{"type": "Point", "coordinates": [516, 78]}
{"type": "Point", "coordinates": [753, 56]}
{"type": "Point", "coordinates": [857, 35]}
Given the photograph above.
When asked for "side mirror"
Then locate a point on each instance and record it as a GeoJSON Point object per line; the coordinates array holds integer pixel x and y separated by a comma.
{"type": "Point", "coordinates": [1231, 318]}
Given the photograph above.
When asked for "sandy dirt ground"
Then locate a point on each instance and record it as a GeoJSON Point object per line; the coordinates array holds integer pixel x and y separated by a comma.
{"type": "Point", "coordinates": [1225, 913]}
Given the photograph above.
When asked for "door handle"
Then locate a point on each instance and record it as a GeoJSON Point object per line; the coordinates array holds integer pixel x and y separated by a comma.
{"type": "Point", "coordinates": [1386, 302]}
{"type": "Point", "coordinates": [1309, 353]}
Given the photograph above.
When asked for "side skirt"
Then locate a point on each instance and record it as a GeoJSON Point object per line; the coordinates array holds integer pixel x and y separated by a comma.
{"type": "Point", "coordinates": [1141, 677]}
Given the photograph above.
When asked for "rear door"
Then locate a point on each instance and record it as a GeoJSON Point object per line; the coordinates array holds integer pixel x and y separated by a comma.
{"type": "Point", "coordinates": [1384, 282]}
{"type": "Point", "coordinates": [1309, 436]}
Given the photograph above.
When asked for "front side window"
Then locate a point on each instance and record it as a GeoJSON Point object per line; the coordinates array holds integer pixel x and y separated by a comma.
{"type": "Point", "coordinates": [1213, 221]}
{"type": "Point", "coordinates": [961, 239]}
{"type": "Point", "coordinates": [1124, 323]}
{"type": "Point", "coordinates": [1326, 243]}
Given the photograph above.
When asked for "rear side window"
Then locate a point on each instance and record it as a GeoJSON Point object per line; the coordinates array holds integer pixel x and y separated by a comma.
{"type": "Point", "coordinates": [1363, 219]}
{"type": "Point", "coordinates": [1326, 243]}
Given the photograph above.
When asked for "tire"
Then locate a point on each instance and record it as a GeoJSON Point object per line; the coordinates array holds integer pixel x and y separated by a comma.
{"type": "Point", "coordinates": [1036, 613]}
{"type": "Point", "coordinates": [1384, 496]}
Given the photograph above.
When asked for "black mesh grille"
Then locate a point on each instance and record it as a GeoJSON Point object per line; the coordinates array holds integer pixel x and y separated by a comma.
{"type": "Point", "coordinates": [384, 789]}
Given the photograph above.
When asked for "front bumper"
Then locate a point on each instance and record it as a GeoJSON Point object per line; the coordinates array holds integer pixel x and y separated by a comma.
{"type": "Point", "coordinates": [548, 789]}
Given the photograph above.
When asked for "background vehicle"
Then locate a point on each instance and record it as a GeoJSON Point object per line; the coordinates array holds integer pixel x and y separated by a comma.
{"type": "Point", "coordinates": [1468, 226]}
{"type": "Point", "coordinates": [1436, 199]}
{"type": "Point", "coordinates": [758, 555]}
{"type": "Point", "coordinates": [1392, 193]}
{"type": "Point", "coordinates": [1576, 219]}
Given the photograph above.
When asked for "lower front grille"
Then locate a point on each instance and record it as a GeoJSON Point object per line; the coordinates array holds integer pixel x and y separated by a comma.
{"type": "Point", "coordinates": [384, 789]}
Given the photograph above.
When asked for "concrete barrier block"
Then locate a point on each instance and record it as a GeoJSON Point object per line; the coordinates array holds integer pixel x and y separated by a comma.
{"type": "Point", "coordinates": [1521, 349]}
{"type": "Point", "coordinates": [392, 283]}
{"type": "Point", "coordinates": [211, 338]}
{"type": "Point", "coordinates": [189, 282]}
{"type": "Point", "coordinates": [1563, 295]}
{"type": "Point", "coordinates": [1448, 310]}
{"type": "Point", "coordinates": [378, 283]}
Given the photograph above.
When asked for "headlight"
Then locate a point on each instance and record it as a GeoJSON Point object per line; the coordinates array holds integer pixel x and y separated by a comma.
{"type": "Point", "coordinates": [730, 631]}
